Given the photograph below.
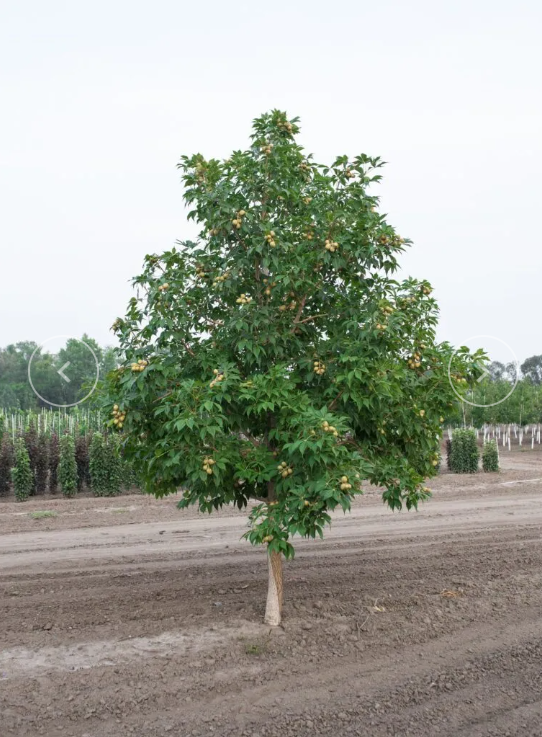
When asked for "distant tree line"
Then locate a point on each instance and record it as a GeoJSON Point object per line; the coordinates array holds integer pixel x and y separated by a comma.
{"type": "Point", "coordinates": [15, 389]}
{"type": "Point", "coordinates": [523, 406]}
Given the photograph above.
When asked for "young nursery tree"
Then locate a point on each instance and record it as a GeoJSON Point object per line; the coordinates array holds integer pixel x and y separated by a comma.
{"type": "Point", "coordinates": [490, 457]}
{"type": "Point", "coordinates": [41, 469]}
{"type": "Point", "coordinates": [105, 465]}
{"type": "Point", "coordinates": [82, 460]}
{"type": "Point", "coordinates": [54, 461]}
{"type": "Point", "coordinates": [67, 468]}
{"type": "Point", "coordinates": [463, 454]}
{"type": "Point", "coordinates": [31, 441]}
{"type": "Point", "coordinates": [275, 360]}
{"type": "Point", "coordinates": [6, 463]}
{"type": "Point", "coordinates": [21, 473]}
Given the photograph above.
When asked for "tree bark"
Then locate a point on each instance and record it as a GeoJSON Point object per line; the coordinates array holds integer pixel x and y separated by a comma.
{"type": "Point", "coordinates": [273, 609]}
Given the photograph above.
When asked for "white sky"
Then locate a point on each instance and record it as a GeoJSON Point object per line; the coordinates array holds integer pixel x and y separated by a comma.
{"type": "Point", "coordinates": [100, 99]}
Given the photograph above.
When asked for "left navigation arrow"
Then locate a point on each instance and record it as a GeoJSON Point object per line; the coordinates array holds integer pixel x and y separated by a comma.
{"type": "Point", "coordinates": [61, 372]}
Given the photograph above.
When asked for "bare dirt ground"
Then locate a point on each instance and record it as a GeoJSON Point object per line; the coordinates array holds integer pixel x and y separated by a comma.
{"type": "Point", "coordinates": [125, 617]}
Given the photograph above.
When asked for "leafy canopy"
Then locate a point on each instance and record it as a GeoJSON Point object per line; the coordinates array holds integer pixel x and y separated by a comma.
{"type": "Point", "coordinates": [275, 358]}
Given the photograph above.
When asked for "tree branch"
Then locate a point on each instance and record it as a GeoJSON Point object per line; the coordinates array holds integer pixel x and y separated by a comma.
{"type": "Point", "coordinates": [188, 348]}
{"type": "Point", "coordinates": [167, 394]}
{"type": "Point", "coordinates": [252, 440]}
{"type": "Point", "coordinates": [298, 313]}
{"type": "Point", "coordinates": [334, 402]}
{"type": "Point", "coordinates": [308, 319]}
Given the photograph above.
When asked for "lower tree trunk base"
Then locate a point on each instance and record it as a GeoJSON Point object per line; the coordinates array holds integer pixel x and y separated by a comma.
{"type": "Point", "coordinates": [273, 609]}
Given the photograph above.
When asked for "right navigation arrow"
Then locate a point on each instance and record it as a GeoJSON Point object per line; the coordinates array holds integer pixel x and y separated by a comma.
{"type": "Point", "coordinates": [485, 372]}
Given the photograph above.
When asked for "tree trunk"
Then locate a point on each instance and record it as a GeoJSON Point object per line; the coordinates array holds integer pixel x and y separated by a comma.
{"type": "Point", "coordinates": [273, 609]}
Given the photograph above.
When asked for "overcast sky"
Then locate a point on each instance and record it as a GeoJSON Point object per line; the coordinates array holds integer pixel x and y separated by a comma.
{"type": "Point", "coordinates": [100, 99]}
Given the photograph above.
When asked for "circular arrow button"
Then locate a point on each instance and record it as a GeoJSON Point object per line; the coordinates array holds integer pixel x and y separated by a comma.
{"type": "Point", "coordinates": [490, 344]}
{"type": "Point", "coordinates": [59, 382]}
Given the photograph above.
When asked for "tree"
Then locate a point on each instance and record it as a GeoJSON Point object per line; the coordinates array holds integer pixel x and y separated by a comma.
{"type": "Point", "coordinates": [105, 465]}
{"type": "Point", "coordinates": [6, 463]}
{"type": "Point", "coordinates": [67, 468]}
{"type": "Point", "coordinates": [41, 470]}
{"type": "Point", "coordinates": [21, 473]}
{"type": "Point", "coordinates": [15, 390]}
{"type": "Point", "coordinates": [82, 460]}
{"type": "Point", "coordinates": [490, 457]}
{"type": "Point", "coordinates": [463, 452]}
{"type": "Point", "coordinates": [97, 465]}
{"type": "Point", "coordinates": [82, 367]}
{"type": "Point", "coordinates": [54, 461]}
{"type": "Point", "coordinates": [31, 440]}
{"type": "Point", "coordinates": [275, 362]}
{"type": "Point", "coordinates": [496, 370]}
{"type": "Point", "coordinates": [109, 360]}
{"type": "Point", "coordinates": [532, 369]}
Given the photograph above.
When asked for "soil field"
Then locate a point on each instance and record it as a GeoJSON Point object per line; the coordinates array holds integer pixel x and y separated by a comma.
{"type": "Point", "coordinates": [126, 617]}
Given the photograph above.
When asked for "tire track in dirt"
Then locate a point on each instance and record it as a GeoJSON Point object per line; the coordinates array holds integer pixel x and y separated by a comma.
{"type": "Point", "coordinates": [25, 549]}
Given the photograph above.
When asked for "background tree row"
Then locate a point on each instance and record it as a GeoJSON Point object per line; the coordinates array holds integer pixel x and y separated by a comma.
{"type": "Point", "coordinates": [33, 464]}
